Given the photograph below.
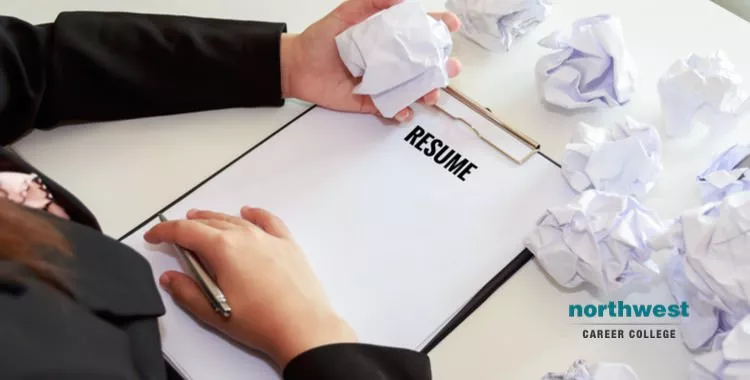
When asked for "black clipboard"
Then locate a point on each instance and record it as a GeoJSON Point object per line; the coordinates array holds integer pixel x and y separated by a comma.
{"type": "Point", "coordinates": [483, 294]}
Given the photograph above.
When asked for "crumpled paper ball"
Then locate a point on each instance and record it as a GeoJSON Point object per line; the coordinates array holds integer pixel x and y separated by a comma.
{"type": "Point", "coordinates": [400, 53]}
{"type": "Point", "coordinates": [591, 69]}
{"type": "Point", "coordinates": [497, 24]}
{"type": "Point", "coordinates": [711, 267]}
{"type": "Point", "coordinates": [624, 160]}
{"type": "Point", "coordinates": [705, 89]}
{"type": "Point", "coordinates": [730, 358]}
{"type": "Point", "coordinates": [580, 370]}
{"type": "Point", "coordinates": [721, 178]}
{"type": "Point", "coordinates": [599, 238]}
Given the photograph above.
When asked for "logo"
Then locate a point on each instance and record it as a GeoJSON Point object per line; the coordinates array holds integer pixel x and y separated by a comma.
{"type": "Point", "coordinates": [620, 320]}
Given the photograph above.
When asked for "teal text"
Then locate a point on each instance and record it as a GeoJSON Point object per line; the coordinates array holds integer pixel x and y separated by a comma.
{"type": "Point", "coordinates": [621, 309]}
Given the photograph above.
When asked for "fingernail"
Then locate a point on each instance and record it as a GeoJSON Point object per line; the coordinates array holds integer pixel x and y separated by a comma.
{"type": "Point", "coordinates": [432, 100]}
{"type": "Point", "coordinates": [409, 114]}
{"type": "Point", "coordinates": [164, 281]}
{"type": "Point", "coordinates": [454, 67]}
{"type": "Point", "coordinates": [191, 212]}
{"type": "Point", "coordinates": [402, 115]}
{"type": "Point", "coordinates": [246, 208]}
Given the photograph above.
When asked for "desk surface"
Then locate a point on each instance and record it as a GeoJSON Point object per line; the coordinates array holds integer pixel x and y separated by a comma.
{"type": "Point", "coordinates": [522, 331]}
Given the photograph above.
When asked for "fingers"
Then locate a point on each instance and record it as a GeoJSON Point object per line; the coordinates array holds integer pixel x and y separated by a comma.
{"type": "Point", "coordinates": [431, 98]}
{"type": "Point", "coordinates": [188, 295]}
{"type": "Point", "coordinates": [404, 115]}
{"type": "Point", "coordinates": [266, 221]}
{"type": "Point", "coordinates": [218, 216]}
{"type": "Point", "coordinates": [195, 236]}
{"type": "Point", "coordinates": [367, 105]}
{"type": "Point", "coordinates": [449, 18]}
{"type": "Point", "coordinates": [218, 224]}
{"type": "Point", "coordinates": [379, 5]}
{"type": "Point", "coordinates": [356, 11]}
{"type": "Point", "coordinates": [453, 67]}
{"type": "Point", "coordinates": [56, 210]}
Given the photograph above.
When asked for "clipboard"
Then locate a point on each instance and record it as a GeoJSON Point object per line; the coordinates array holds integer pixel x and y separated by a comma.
{"type": "Point", "coordinates": [487, 114]}
{"type": "Point", "coordinates": [478, 115]}
{"type": "Point", "coordinates": [524, 256]}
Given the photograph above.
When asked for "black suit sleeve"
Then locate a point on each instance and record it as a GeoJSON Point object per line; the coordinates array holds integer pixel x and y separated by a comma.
{"type": "Point", "coordinates": [358, 361]}
{"type": "Point", "coordinates": [106, 66]}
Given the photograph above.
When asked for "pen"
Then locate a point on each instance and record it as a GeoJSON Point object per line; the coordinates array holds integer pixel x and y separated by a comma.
{"type": "Point", "coordinates": [205, 281]}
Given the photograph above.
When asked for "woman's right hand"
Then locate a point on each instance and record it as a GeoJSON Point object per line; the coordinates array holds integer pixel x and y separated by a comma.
{"type": "Point", "coordinates": [278, 305]}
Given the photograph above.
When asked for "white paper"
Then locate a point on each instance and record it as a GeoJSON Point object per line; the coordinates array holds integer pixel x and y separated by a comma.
{"type": "Point", "coordinates": [704, 89]}
{"type": "Point", "coordinates": [598, 238]}
{"type": "Point", "coordinates": [625, 159]}
{"type": "Point", "coordinates": [730, 360]}
{"type": "Point", "coordinates": [591, 67]}
{"type": "Point", "coordinates": [400, 53]}
{"type": "Point", "coordinates": [398, 242]}
{"type": "Point", "coordinates": [497, 24]}
{"type": "Point", "coordinates": [580, 370]}
{"type": "Point", "coordinates": [721, 178]}
{"type": "Point", "coordinates": [711, 267]}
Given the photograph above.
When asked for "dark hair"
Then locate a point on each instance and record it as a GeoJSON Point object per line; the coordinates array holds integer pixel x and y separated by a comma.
{"type": "Point", "coordinates": [25, 238]}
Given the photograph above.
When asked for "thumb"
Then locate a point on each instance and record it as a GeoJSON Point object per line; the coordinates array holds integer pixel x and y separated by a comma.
{"type": "Point", "coordinates": [187, 294]}
{"type": "Point", "coordinates": [356, 11]}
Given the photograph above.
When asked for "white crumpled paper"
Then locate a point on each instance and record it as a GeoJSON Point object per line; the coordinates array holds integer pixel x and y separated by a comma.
{"type": "Point", "coordinates": [730, 359]}
{"type": "Point", "coordinates": [721, 178]}
{"type": "Point", "coordinates": [592, 67]}
{"type": "Point", "coordinates": [624, 160]}
{"type": "Point", "coordinates": [400, 53]}
{"type": "Point", "coordinates": [705, 89]}
{"type": "Point", "coordinates": [599, 238]}
{"type": "Point", "coordinates": [580, 370]}
{"type": "Point", "coordinates": [711, 268]}
{"type": "Point", "coordinates": [497, 24]}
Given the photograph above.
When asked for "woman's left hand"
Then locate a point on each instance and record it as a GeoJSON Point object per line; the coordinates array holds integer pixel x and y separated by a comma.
{"type": "Point", "coordinates": [278, 305]}
{"type": "Point", "coordinates": [312, 70]}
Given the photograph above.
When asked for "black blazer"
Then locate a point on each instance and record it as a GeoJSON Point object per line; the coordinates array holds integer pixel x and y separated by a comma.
{"type": "Point", "coordinates": [103, 66]}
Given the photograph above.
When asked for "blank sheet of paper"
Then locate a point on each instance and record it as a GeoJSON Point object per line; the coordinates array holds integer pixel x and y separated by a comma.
{"type": "Point", "coordinates": [399, 242]}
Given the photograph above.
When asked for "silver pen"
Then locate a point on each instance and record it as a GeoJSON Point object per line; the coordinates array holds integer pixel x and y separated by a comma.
{"type": "Point", "coordinates": [205, 281]}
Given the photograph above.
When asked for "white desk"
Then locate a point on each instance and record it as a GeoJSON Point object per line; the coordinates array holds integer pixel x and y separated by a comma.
{"type": "Point", "coordinates": [522, 331]}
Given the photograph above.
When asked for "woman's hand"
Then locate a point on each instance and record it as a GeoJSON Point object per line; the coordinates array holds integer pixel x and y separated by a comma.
{"type": "Point", "coordinates": [312, 70]}
{"type": "Point", "coordinates": [278, 305]}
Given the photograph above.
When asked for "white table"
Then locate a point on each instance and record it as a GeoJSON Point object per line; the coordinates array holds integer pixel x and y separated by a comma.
{"type": "Point", "coordinates": [523, 330]}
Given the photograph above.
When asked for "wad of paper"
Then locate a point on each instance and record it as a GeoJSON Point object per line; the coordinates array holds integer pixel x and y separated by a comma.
{"type": "Point", "coordinates": [591, 67]}
{"type": "Point", "coordinates": [702, 89]}
{"type": "Point", "coordinates": [580, 370]}
{"type": "Point", "coordinates": [724, 176]}
{"type": "Point", "coordinates": [711, 267]}
{"type": "Point", "coordinates": [497, 24]}
{"type": "Point", "coordinates": [400, 53]}
{"type": "Point", "coordinates": [730, 359]}
{"type": "Point", "coordinates": [625, 159]}
{"type": "Point", "coordinates": [599, 238]}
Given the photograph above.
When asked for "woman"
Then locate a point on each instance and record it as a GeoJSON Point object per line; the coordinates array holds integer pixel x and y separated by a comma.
{"type": "Point", "coordinates": [78, 305]}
